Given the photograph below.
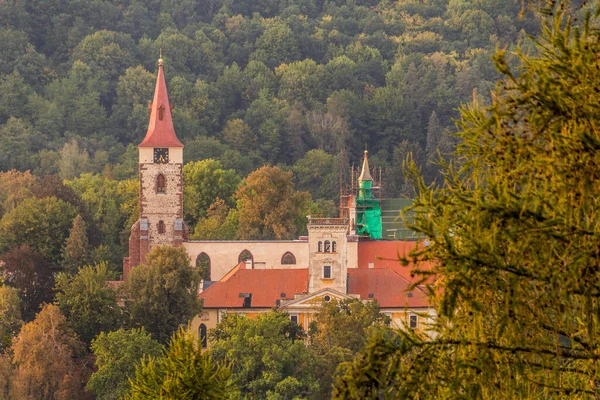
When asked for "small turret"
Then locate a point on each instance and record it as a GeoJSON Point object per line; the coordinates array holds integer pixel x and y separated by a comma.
{"type": "Point", "coordinates": [365, 174]}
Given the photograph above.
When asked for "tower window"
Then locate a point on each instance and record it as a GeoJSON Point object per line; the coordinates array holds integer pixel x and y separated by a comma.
{"type": "Point", "coordinates": [334, 247]}
{"type": "Point", "coordinates": [161, 112]}
{"type": "Point", "coordinates": [327, 246]}
{"type": "Point", "coordinates": [327, 272]}
{"type": "Point", "coordinates": [320, 247]}
{"type": "Point", "coordinates": [161, 226]}
{"type": "Point", "coordinates": [288, 259]}
{"type": "Point", "coordinates": [161, 184]}
{"type": "Point", "coordinates": [413, 321]}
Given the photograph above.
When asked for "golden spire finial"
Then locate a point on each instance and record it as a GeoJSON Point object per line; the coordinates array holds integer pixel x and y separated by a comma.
{"type": "Point", "coordinates": [160, 59]}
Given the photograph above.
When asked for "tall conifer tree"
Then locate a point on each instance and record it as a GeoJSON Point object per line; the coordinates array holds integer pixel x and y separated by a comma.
{"type": "Point", "coordinates": [76, 252]}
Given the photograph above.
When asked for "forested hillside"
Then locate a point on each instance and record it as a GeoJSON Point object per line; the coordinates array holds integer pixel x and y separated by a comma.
{"type": "Point", "coordinates": [304, 85]}
{"type": "Point", "coordinates": [251, 82]}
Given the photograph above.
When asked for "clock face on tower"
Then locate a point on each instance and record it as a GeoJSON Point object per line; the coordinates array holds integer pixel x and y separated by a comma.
{"type": "Point", "coordinates": [161, 156]}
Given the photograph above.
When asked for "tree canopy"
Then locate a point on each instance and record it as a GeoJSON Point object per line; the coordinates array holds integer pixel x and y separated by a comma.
{"type": "Point", "coordinates": [117, 354]}
{"type": "Point", "coordinates": [184, 371]}
{"type": "Point", "coordinates": [163, 293]}
{"type": "Point", "coordinates": [268, 355]}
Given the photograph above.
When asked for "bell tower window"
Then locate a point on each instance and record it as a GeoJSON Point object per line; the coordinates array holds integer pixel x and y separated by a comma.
{"type": "Point", "coordinates": [161, 184]}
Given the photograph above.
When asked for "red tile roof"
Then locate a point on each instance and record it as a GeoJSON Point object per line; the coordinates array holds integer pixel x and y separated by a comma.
{"type": "Point", "coordinates": [161, 132]}
{"type": "Point", "coordinates": [265, 285]}
{"type": "Point", "coordinates": [386, 254]}
{"type": "Point", "coordinates": [385, 286]}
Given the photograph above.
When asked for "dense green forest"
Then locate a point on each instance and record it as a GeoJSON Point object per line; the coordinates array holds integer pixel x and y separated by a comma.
{"type": "Point", "coordinates": [303, 86]}
{"type": "Point", "coordinates": [251, 82]}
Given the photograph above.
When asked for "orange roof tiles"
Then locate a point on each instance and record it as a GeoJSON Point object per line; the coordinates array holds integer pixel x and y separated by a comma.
{"type": "Point", "coordinates": [161, 132]}
{"type": "Point", "coordinates": [266, 286]}
{"type": "Point", "coordinates": [385, 286]}
{"type": "Point", "coordinates": [385, 254]}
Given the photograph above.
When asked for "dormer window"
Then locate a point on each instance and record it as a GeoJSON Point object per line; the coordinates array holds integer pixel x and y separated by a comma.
{"type": "Point", "coordinates": [161, 184]}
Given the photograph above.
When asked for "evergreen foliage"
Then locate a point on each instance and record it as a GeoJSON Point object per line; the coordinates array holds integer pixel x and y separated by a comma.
{"type": "Point", "coordinates": [183, 372]}
{"type": "Point", "coordinates": [514, 236]}
{"type": "Point", "coordinates": [76, 251]}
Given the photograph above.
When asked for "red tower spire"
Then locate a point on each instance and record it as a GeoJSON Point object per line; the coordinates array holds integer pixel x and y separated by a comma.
{"type": "Point", "coordinates": [161, 132]}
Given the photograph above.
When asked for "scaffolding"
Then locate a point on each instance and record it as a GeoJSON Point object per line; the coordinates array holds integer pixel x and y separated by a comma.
{"type": "Point", "coordinates": [360, 203]}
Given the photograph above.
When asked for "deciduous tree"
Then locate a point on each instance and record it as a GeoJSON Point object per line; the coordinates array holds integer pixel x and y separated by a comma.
{"type": "Point", "coordinates": [117, 354]}
{"type": "Point", "coordinates": [163, 293]}
{"type": "Point", "coordinates": [268, 355]}
{"type": "Point", "coordinates": [269, 207]}
{"type": "Point", "coordinates": [10, 316]}
{"type": "Point", "coordinates": [88, 301]}
{"type": "Point", "coordinates": [339, 330]}
{"type": "Point", "coordinates": [48, 359]}
{"type": "Point", "coordinates": [43, 224]}
{"type": "Point", "coordinates": [221, 222]}
{"type": "Point", "coordinates": [28, 272]}
{"type": "Point", "coordinates": [203, 182]}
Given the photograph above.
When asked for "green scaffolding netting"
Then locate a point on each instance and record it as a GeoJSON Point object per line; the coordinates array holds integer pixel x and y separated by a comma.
{"type": "Point", "coordinates": [368, 212]}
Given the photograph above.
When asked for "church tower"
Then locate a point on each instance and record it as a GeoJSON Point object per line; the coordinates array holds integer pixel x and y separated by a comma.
{"type": "Point", "coordinates": [161, 192]}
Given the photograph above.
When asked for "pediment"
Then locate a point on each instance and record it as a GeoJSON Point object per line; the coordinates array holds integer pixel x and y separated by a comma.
{"type": "Point", "coordinates": [315, 299]}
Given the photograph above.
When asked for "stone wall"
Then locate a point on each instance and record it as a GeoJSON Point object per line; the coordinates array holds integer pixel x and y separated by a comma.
{"type": "Point", "coordinates": [266, 254]}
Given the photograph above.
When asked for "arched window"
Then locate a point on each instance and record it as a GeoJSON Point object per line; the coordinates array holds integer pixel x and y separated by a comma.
{"type": "Point", "coordinates": [203, 265]}
{"type": "Point", "coordinates": [245, 255]}
{"type": "Point", "coordinates": [202, 335]}
{"type": "Point", "coordinates": [288, 259]}
{"type": "Point", "coordinates": [161, 226]}
{"type": "Point", "coordinates": [320, 247]}
{"type": "Point", "coordinates": [327, 246]}
{"type": "Point", "coordinates": [161, 184]}
{"type": "Point", "coordinates": [333, 247]}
